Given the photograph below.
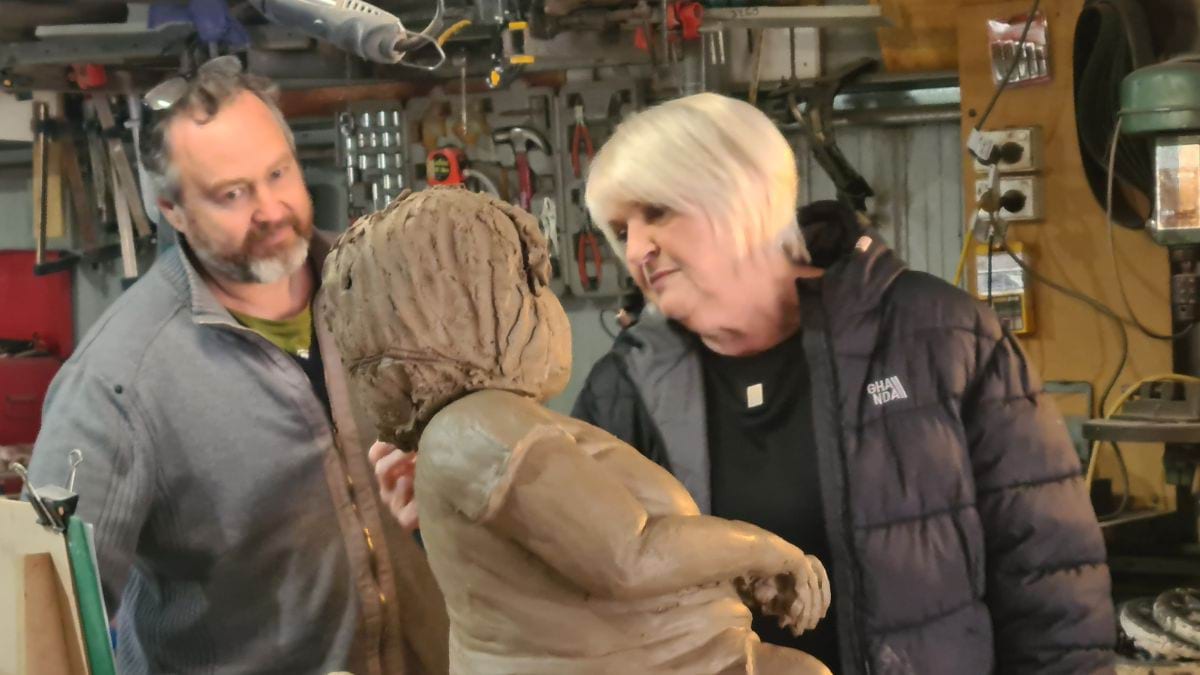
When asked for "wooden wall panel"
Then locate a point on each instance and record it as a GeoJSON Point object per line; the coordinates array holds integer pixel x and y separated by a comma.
{"type": "Point", "coordinates": [1072, 341]}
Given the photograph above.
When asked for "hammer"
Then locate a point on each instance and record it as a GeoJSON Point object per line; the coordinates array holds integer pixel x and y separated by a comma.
{"type": "Point", "coordinates": [522, 139]}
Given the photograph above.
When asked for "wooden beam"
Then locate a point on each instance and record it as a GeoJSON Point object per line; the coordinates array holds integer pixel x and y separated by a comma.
{"type": "Point", "coordinates": [330, 100]}
{"type": "Point", "coordinates": [54, 198]}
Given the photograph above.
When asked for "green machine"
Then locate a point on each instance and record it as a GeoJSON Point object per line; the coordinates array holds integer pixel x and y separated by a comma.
{"type": "Point", "coordinates": [1163, 101]}
{"type": "Point", "coordinates": [1160, 104]}
{"type": "Point", "coordinates": [1159, 118]}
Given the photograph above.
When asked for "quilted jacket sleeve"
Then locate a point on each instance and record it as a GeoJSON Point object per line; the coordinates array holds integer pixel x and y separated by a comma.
{"type": "Point", "coordinates": [1047, 581]}
{"type": "Point", "coordinates": [610, 400]}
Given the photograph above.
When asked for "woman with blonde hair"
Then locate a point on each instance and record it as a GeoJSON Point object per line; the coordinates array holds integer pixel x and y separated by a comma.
{"type": "Point", "coordinates": [876, 417]}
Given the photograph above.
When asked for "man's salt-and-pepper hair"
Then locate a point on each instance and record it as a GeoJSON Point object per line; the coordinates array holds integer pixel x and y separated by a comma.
{"type": "Point", "coordinates": [706, 155]}
{"type": "Point", "coordinates": [205, 95]}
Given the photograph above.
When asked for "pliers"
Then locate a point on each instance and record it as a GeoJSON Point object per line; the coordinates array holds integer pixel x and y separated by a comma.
{"type": "Point", "coordinates": [581, 139]}
{"type": "Point", "coordinates": [548, 220]}
{"type": "Point", "coordinates": [587, 249]}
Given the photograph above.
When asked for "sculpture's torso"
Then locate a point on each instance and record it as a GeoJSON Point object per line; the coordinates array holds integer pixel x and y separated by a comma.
{"type": "Point", "coordinates": [512, 613]}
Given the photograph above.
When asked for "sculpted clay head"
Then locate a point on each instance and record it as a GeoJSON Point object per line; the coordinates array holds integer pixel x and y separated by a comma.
{"type": "Point", "coordinates": [441, 294]}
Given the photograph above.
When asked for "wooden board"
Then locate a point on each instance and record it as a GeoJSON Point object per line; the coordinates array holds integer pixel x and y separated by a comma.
{"type": "Point", "coordinates": [330, 100]}
{"type": "Point", "coordinates": [923, 36]}
{"type": "Point", "coordinates": [37, 597]}
{"type": "Point", "coordinates": [1072, 341]}
{"type": "Point", "coordinates": [47, 624]}
{"type": "Point", "coordinates": [54, 194]}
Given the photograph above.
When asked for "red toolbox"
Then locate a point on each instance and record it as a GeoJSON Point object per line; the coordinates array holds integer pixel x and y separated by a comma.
{"type": "Point", "coordinates": [23, 383]}
{"type": "Point", "coordinates": [36, 310]}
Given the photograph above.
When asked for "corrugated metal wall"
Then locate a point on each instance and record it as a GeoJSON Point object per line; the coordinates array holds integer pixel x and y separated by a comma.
{"type": "Point", "coordinates": [916, 172]}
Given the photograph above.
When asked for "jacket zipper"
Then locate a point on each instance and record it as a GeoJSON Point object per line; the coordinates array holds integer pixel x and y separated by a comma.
{"type": "Point", "coordinates": [838, 521]}
{"type": "Point", "coordinates": [351, 490]}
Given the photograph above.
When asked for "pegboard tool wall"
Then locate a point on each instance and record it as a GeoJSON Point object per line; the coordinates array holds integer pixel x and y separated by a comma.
{"type": "Point", "coordinates": [437, 122]}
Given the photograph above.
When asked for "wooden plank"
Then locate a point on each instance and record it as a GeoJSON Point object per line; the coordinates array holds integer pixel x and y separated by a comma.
{"type": "Point", "coordinates": [129, 262]}
{"type": "Point", "coordinates": [325, 101]}
{"type": "Point", "coordinates": [124, 181]}
{"type": "Point", "coordinates": [20, 537]}
{"type": "Point", "coordinates": [48, 624]}
{"type": "Point", "coordinates": [923, 36]}
{"type": "Point", "coordinates": [83, 210]}
{"type": "Point", "coordinates": [1072, 341]}
{"type": "Point", "coordinates": [54, 194]}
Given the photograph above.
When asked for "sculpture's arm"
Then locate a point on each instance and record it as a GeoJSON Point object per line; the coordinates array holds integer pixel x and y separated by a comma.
{"type": "Point", "coordinates": [531, 481]}
{"type": "Point", "coordinates": [586, 525]}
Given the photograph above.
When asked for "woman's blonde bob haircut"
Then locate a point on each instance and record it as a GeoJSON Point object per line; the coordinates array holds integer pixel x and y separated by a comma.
{"type": "Point", "coordinates": [705, 155]}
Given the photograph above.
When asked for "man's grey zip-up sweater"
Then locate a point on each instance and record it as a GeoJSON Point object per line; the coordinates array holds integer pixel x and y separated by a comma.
{"type": "Point", "coordinates": [237, 528]}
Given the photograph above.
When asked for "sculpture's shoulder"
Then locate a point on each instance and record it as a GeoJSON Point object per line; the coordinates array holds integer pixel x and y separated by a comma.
{"type": "Point", "coordinates": [470, 449]}
{"type": "Point", "coordinates": [491, 417]}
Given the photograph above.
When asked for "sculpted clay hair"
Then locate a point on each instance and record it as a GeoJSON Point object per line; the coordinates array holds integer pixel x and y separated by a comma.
{"type": "Point", "coordinates": [443, 293]}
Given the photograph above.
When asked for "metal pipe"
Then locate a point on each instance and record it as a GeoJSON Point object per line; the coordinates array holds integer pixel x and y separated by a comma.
{"type": "Point", "coordinates": [887, 118]}
{"type": "Point", "coordinates": [692, 69]}
{"type": "Point", "coordinates": [662, 29]}
{"type": "Point", "coordinates": [41, 111]}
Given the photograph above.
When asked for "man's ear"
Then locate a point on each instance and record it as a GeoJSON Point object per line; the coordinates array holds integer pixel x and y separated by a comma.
{"type": "Point", "coordinates": [173, 212]}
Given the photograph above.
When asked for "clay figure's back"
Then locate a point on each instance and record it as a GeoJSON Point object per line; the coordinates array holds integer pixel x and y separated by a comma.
{"type": "Point", "coordinates": [511, 609]}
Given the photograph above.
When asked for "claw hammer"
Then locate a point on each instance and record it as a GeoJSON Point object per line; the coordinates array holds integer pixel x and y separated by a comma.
{"type": "Point", "coordinates": [522, 140]}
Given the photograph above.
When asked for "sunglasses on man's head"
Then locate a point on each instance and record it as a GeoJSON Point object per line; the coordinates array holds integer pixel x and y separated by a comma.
{"type": "Point", "coordinates": [168, 92]}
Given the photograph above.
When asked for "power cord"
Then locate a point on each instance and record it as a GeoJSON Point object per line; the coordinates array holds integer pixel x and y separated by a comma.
{"type": "Point", "coordinates": [604, 326]}
{"type": "Point", "coordinates": [1091, 302]}
{"type": "Point", "coordinates": [991, 250]}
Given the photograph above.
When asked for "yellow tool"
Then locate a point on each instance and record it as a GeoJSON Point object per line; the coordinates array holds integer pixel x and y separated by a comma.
{"type": "Point", "coordinates": [511, 56]}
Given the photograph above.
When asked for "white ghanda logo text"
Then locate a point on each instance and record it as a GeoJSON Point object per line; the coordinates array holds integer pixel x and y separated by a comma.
{"type": "Point", "coordinates": [887, 390]}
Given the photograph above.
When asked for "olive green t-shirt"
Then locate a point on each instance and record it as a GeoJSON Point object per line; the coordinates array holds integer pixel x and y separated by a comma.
{"type": "Point", "coordinates": [293, 335]}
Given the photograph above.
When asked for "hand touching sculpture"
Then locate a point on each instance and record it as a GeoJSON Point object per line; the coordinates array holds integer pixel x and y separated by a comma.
{"type": "Point", "coordinates": [396, 470]}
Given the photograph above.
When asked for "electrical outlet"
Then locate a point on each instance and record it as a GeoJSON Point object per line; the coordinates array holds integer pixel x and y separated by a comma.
{"type": "Point", "coordinates": [1030, 140]}
{"type": "Point", "coordinates": [1029, 186]}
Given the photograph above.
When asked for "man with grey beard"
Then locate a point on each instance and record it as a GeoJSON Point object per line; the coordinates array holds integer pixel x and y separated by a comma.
{"type": "Point", "coordinates": [237, 527]}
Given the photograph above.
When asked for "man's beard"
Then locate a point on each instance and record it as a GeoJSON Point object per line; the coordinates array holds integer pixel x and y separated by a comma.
{"type": "Point", "coordinates": [243, 266]}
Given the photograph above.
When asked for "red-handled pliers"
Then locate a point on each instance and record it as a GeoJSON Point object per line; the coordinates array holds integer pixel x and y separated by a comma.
{"type": "Point", "coordinates": [587, 249]}
{"type": "Point", "coordinates": [581, 139]}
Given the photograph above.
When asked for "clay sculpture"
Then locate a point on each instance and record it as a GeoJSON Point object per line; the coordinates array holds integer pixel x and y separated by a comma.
{"type": "Point", "coordinates": [558, 548]}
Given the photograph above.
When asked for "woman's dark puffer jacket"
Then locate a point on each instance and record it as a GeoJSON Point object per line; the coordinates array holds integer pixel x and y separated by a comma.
{"type": "Point", "coordinates": [963, 539]}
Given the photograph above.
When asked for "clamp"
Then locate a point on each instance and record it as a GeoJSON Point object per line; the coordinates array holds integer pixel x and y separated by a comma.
{"type": "Point", "coordinates": [689, 16]}
{"type": "Point", "coordinates": [510, 57]}
{"type": "Point", "coordinates": [53, 504]}
{"type": "Point", "coordinates": [682, 22]}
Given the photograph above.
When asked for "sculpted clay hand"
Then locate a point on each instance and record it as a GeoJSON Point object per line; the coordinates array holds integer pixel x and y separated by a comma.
{"type": "Point", "coordinates": [799, 598]}
{"type": "Point", "coordinates": [559, 548]}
